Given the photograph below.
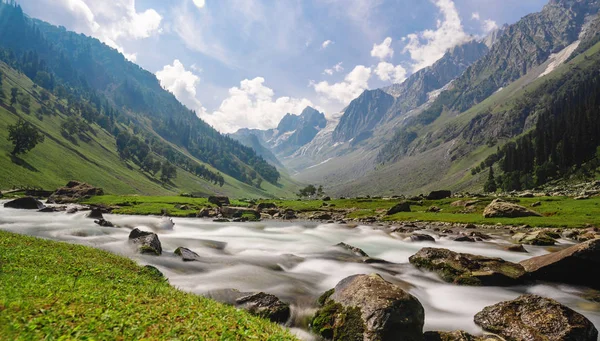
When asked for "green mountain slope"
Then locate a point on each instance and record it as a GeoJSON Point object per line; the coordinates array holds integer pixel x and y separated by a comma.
{"type": "Point", "coordinates": [90, 90]}
{"type": "Point", "coordinates": [91, 157]}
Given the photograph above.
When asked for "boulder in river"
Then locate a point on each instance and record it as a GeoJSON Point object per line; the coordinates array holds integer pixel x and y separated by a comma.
{"type": "Point", "coordinates": [95, 213]}
{"type": "Point", "coordinates": [420, 237]}
{"type": "Point", "coordinates": [266, 206]}
{"type": "Point", "coordinates": [467, 269]}
{"type": "Point", "coordinates": [503, 209]}
{"type": "Point", "coordinates": [573, 265]}
{"type": "Point", "coordinates": [402, 206]}
{"type": "Point", "coordinates": [353, 249]}
{"type": "Point", "coordinates": [535, 318]}
{"type": "Point", "coordinates": [186, 254]}
{"type": "Point", "coordinates": [464, 238]}
{"type": "Point", "coordinates": [25, 203]}
{"type": "Point", "coordinates": [367, 307]}
{"type": "Point", "coordinates": [238, 212]}
{"type": "Point", "coordinates": [450, 336]}
{"type": "Point", "coordinates": [145, 242]}
{"type": "Point", "coordinates": [104, 223]}
{"type": "Point", "coordinates": [73, 192]}
{"type": "Point", "coordinates": [539, 238]}
{"type": "Point", "coordinates": [266, 306]}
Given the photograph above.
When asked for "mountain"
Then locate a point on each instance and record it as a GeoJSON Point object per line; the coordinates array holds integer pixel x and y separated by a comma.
{"type": "Point", "coordinates": [292, 132]}
{"type": "Point", "coordinates": [105, 91]}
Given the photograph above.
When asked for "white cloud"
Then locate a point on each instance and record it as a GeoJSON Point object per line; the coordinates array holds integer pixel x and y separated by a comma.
{"type": "Point", "coordinates": [383, 50]}
{"type": "Point", "coordinates": [326, 43]}
{"type": "Point", "coordinates": [489, 25]}
{"type": "Point", "coordinates": [388, 72]}
{"type": "Point", "coordinates": [200, 3]}
{"type": "Point", "coordinates": [351, 87]}
{"type": "Point", "coordinates": [336, 68]}
{"type": "Point", "coordinates": [476, 16]}
{"type": "Point", "coordinates": [428, 46]}
{"type": "Point", "coordinates": [182, 83]}
{"type": "Point", "coordinates": [253, 105]}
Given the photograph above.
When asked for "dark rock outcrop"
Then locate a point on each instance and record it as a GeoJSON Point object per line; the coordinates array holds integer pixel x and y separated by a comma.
{"type": "Point", "coordinates": [467, 269]}
{"type": "Point", "coordinates": [145, 242]}
{"type": "Point", "coordinates": [366, 307]}
{"type": "Point", "coordinates": [218, 200]}
{"type": "Point", "coordinates": [238, 212]}
{"type": "Point", "coordinates": [573, 265]}
{"type": "Point", "coordinates": [73, 192]}
{"type": "Point", "coordinates": [25, 203]}
{"type": "Point", "coordinates": [535, 318]}
{"type": "Point", "coordinates": [104, 223]}
{"type": "Point", "coordinates": [266, 206]}
{"type": "Point", "coordinates": [439, 195]}
{"type": "Point", "coordinates": [266, 306]}
{"type": "Point", "coordinates": [403, 206]}
{"type": "Point", "coordinates": [95, 213]}
{"type": "Point", "coordinates": [419, 237]}
{"type": "Point", "coordinates": [450, 336]}
{"type": "Point", "coordinates": [503, 209]}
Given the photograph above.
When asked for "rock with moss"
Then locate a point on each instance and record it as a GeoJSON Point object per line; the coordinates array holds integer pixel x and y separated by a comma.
{"type": "Point", "coordinates": [450, 336]}
{"type": "Point", "coordinates": [535, 318]}
{"type": "Point", "coordinates": [539, 238]}
{"type": "Point", "coordinates": [186, 254]}
{"type": "Point", "coordinates": [368, 308]}
{"type": "Point", "coordinates": [239, 212]}
{"type": "Point", "coordinates": [573, 265]}
{"type": "Point", "coordinates": [467, 269]}
{"type": "Point", "coordinates": [74, 191]}
{"type": "Point", "coordinates": [402, 206]}
{"type": "Point", "coordinates": [145, 242]}
{"type": "Point", "coordinates": [266, 306]}
{"type": "Point", "coordinates": [503, 209]}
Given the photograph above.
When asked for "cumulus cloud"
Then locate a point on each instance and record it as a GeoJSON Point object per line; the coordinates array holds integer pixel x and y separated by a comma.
{"type": "Point", "coordinates": [326, 43]}
{"type": "Point", "coordinates": [200, 3]}
{"type": "Point", "coordinates": [475, 16]}
{"type": "Point", "coordinates": [383, 50]}
{"type": "Point", "coordinates": [489, 25]}
{"type": "Point", "coordinates": [336, 68]}
{"type": "Point", "coordinates": [351, 87]}
{"type": "Point", "coordinates": [253, 105]}
{"type": "Point", "coordinates": [182, 83]}
{"type": "Point", "coordinates": [388, 72]}
{"type": "Point", "coordinates": [428, 46]}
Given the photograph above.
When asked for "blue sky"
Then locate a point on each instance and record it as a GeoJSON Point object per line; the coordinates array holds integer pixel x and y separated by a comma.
{"type": "Point", "coordinates": [246, 63]}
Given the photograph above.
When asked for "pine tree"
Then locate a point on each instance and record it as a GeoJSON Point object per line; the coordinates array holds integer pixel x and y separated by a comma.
{"type": "Point", "coordinates": [490, 185]}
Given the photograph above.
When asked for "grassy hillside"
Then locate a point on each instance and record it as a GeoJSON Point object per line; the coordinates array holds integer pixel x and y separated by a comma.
{"type": "Point", "coordinates": [51, 290]}
{"type": "Point", "coordinates": [92, 158]}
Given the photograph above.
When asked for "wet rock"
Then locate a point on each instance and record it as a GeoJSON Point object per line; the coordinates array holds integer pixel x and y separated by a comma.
{"type": "Point", "coordinates": [50, 209]}
{"type": "Point", "coordinates": [503, 209]}
{"type": "Point", "coordinates": [104, 223]}
{"type": "Point", "coordinates": [400, 207]}
{"type": "Point", "coordinates": [470, 226]}
{"type": "Point", "coordinates": [218, 200]}
{"type": "Point", "coordinates": [266, 206]}
{"type": "Point", "coordinates": [203, 213]}
{"type": "Point", "coordinates": [450, 336]}
{"type": "Point", "coordinates": [238, 212]}
{"type": "Point", "coordinates": [289, 214]}
{"type": "Point", "coordinates": [464, 238]}
{"type": "Point", "coordinates": [516, 248]}
{"type": "Point", "coordinates": [186, 254]}
{"type": "Point", "coordinates": [322, 216]}
{"type": "Point", "coordinates": [539, 238]}
{"type": "Point", "coordinates": [366, 307]}
{"type": "Point", "coordinates": [535, 318]}
{"type": "Point", "coordinates": [418, 237]}
{"type": "Point", "coordinates": [438, 195]}
{"type": "Point", "coordinates": [480, 235]}
{"type": "Point", "coordinates": [266, 306]}
{"type": "Point", "coordinates": [467, 269]}
{"type": "Point", "coordinates": [96, 213]}
{"type": "Point", "coordinates": [73, 192]}
{"type": "Point", "coordinates": [25, 203]}
{"type": "Point", "coordinates": [221, 220]}
{"type": "Point", "coordinates": [353, 249]}
{"type": "Point", "coordinates": [573, 265]}
{"type": "Point", "coordinates": [145, 242]}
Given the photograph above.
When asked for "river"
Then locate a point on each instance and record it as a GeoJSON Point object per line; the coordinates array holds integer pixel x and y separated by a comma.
{"type": "Point", "coordinates": [295, 261]}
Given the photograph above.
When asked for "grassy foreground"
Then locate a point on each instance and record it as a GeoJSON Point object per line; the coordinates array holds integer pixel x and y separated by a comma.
{"type": "Point", "coordinates": [556, 211]}
{"type": "Point", "coordinates": [51, 290]}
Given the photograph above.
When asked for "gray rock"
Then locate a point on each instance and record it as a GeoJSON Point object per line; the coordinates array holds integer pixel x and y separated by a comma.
{"type": "Point", "coordinates": [418, 237]}
{"type": "Point", "coordinates": [400, 207]}
{"type": "Point", "coordinates": [145, 242]}
{"type": "Point", "coordinates": [73, 192]}
{"type": "Point", "coordinates": [502, 209]}
{"type": "Point", "coordinates": [25, 203]}
{"type": "Point", "coordinates": [535, 318]}
{"type": "Point", "coordinates": [218, 200]}
{"type": "Point", "coordinates": [186, 254]}
{"type": "Point", "coordinates": [266, 306]}
{"type": "Point", "coordinates": [353, 249]}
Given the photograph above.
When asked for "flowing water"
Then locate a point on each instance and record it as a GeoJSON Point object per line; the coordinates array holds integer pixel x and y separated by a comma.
{"type": "Point", "coordinates": [295, 261]}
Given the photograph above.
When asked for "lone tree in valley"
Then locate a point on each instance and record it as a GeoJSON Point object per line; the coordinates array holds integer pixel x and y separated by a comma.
{"type": "Point", "coordinates": [168, 172]}
{"type": "Point", "coordinates": [490, 185]}
{"type": "Point", "coordinates": [14, 92]}
{"type": "Point", "coordinates": [24, 137]}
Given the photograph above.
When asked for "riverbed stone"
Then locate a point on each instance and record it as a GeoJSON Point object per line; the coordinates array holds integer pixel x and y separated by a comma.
{"type": "Point", "coordinates": [73, 192]}
{"type": "Point", "coordinates": [25, 203]}
{"type": "Point", "coordinates": [467, 269]}
{"type": "Point", "coordinates": [503, 209]}
{"type": "Point", "coordinates": [238, 212]}
{"type": "Point", "coordinates": [104, 223]}
{"type": "Point", "coordinates": [450, 336]}
{"type": "Point", "coordinates": [574, 265]}
{"type": "Point", "coordinates": [420, 237]}
{"type": "Point", "coordinates": [368, 308]}
{"type": "Point", "coordinates": [218, 200]}
{"type": "Point", "coordinates": [145, 242]}
{"type": "Point", "coordinates": [186, 254]}
{"type": "Point", "coordinates": [95, 213]}
{"type": "Point", "coordinates": [402, 206]}
{"type": "Point", "coordinates": [355, 250]}
{"type": "Point", "coordinates": [535, 318]}
{"type": "Point", "coordinates": [539, 238]}
{"type": "Point", "coordinates": [266, 306]}
{"type": "Point", "coordinates": [266, 206]}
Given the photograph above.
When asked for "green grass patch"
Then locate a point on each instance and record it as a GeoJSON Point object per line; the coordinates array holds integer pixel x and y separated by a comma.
{"type": "Point", "coordinates": [52, 290]}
